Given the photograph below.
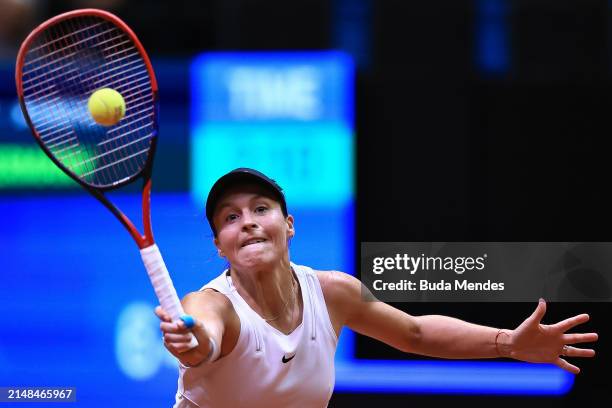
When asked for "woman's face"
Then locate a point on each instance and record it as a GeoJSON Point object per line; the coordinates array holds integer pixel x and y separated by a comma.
{"type": "Point", "coordinates": [252, 230]}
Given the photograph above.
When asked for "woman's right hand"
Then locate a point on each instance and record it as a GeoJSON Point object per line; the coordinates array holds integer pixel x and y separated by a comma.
{"type": "Point", "coordinates": [177, 337]}
{"type": "Point", "coordinates": [222, 322]}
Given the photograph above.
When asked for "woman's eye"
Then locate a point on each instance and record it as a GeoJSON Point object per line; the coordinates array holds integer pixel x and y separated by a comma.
{"type": "Point", "coordinates": [261, 209]}
{"type": "Point", "coordinates": [231, 217]}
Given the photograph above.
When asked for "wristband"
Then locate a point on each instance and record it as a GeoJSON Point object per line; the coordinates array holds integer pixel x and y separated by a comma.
{"type": "Point", "coordinates": [212, 355]}
{"type": "Point", "coordinates": [496, 345]}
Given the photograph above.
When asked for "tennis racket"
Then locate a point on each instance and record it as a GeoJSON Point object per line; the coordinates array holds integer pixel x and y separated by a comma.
{"type": "Point", "coordinates": [59, 65]}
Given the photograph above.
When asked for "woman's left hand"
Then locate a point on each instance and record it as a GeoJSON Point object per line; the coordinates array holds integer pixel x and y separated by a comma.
{"type": "Point", "coordinates": [535, 342]}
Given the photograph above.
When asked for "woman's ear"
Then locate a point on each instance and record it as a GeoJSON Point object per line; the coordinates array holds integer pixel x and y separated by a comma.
{"type": "Point", "coordinates": [219, 251]}
{"type": "Point", "coordinates": [290, 226]}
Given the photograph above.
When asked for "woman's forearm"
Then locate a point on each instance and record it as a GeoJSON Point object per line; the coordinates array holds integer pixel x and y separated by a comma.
{"type": "Point", "coordinates": [447, 337]}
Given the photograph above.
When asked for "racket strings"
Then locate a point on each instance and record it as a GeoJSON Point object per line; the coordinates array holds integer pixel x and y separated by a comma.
{"type": "Point", "coordinates": [95, 161]}
{"type": "Point", "coordinates": [66, 53]}
{"type": "Point", "coordinates": [111, 162]}
{"type": "Point", "coordinates": [64, 66]}
{"type": "Point", "coordinates": [55, 130]}
{"type": "Point", "coordinates": [58, 51]}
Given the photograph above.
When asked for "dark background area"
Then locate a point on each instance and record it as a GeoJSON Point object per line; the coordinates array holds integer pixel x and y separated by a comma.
{"type": "Point", "coordinates": [447, 149]}
{"type": "Point", "coordinates": [449, 153]}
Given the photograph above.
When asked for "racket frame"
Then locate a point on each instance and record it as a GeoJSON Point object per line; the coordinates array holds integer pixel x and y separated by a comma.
{"type": "Point", "coordinates": [142, 240]}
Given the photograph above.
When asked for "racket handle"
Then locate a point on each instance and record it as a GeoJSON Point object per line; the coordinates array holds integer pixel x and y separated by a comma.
{"type": "Point", "coordinates": [164, 289]}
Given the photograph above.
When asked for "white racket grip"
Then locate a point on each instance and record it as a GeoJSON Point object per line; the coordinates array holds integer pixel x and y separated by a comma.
{"type": "Point", "coordinates": [164, 289]}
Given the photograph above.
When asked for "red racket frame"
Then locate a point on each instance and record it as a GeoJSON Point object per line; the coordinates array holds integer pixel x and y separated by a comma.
{"type": "Point", "coordinates": [147, 239]}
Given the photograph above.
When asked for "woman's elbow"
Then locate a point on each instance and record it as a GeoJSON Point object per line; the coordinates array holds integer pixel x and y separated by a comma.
{"type": "Point", "coordinates": [412, 337]}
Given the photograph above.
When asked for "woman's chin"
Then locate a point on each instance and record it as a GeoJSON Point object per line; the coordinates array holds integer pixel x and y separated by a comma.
{"type": "Point", "coordinates": [256, 259]}
{"type": "Point", "coordinates": [256, 256]}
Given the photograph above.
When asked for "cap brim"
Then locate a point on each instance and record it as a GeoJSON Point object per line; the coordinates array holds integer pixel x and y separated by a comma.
{"type": "Point", "coordinates": [236, 177]}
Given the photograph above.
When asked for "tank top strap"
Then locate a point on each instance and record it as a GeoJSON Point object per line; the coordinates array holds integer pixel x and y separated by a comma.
{"type": "Point", "coordinates": [306, 275]}
{"type": "Point", "coordinates": [318, 306]}
{"type": "Point", "coordinates": [223, 284]}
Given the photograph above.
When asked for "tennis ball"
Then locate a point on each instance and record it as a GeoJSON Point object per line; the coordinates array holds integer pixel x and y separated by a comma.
{"type": "Point", "coordinates": [106, 106]}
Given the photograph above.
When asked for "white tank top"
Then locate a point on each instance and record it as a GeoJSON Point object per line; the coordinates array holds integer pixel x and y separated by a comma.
{"type": "Point", "coordinates": [267, 368]}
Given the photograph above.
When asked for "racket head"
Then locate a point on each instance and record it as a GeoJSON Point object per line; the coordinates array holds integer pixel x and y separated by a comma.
{"type": "Point", "coordinates": [59, 65]}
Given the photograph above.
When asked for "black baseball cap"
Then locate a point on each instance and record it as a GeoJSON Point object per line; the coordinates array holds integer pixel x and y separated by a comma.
{"type": "Point", "coordinates": [240, 176]}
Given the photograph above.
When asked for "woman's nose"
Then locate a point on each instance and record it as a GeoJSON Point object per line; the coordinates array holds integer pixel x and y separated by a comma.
{"type": "Point", "coordinates": [248, 221]}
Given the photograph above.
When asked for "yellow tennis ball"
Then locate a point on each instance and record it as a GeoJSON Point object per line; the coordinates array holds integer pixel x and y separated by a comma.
{"type": "Point", "coordinates": [106, 106]}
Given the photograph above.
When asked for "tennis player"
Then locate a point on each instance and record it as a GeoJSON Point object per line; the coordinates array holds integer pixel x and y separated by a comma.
{"type": "Point", "coordinates": [268, 328]}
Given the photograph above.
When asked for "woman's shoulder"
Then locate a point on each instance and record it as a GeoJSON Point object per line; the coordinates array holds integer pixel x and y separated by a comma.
{"type": "Point", "coordinates": [337, 285]}
{"type": "Point", "coordinates": [342, 293]}
{"type": "Point", "coordinates": [331, 282]}
{"type": "Point", "coordinates": [208, 296]}
{"type": "Point", "coordinates": [323, 276]}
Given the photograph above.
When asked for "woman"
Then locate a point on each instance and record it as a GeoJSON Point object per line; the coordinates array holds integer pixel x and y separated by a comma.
{"type": "Point", "coordinates": [267, 328]}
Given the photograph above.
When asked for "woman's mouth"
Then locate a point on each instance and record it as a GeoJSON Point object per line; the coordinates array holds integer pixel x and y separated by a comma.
{"type": "Point", "coordinates": [252, 241]}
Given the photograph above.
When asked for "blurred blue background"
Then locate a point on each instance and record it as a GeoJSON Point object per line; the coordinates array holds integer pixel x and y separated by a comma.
{"type": "Point", "coordinates": [384, 121]}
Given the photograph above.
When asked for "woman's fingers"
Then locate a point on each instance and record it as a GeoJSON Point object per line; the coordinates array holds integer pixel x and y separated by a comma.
{"type": "Point", "coordinates": [539, 312]}
{"type": "Point", "coordinates": [573, 338]}
{"type": "Point", "coordinates": [173, 327]}
{"type": "Point", "coordinates": [561, 363]}
{"type": "Point", "coordinates": [161, 313]}
{"type": "Point", "coordinates": [177, 338]}
{"type": "Point", "coordinates": [570, 351]}
{"type": "Point", "coordinates": [572, 322]}
{"type": "Point", "coordinates": [177, 349]}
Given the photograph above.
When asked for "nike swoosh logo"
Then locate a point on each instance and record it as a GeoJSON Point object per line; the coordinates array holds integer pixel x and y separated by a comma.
{"type": "Point", "coordinates": [286, 360]}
